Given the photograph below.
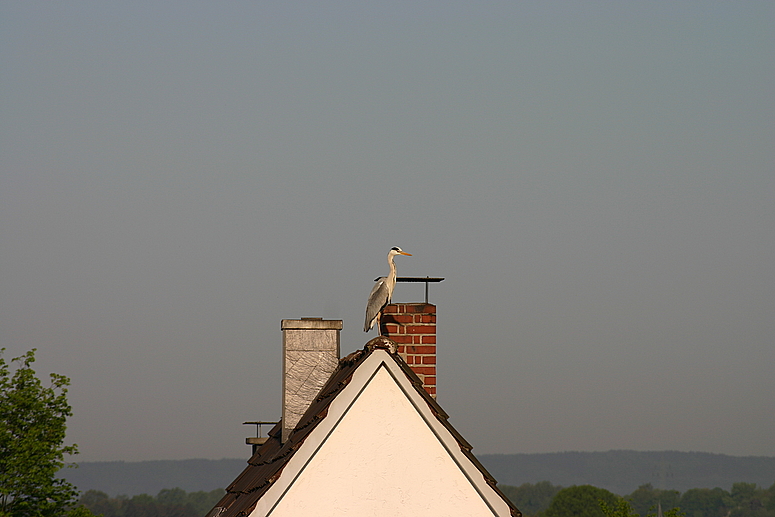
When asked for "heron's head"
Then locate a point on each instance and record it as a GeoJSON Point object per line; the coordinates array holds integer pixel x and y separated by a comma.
{"type": "Point", "coordinates": [395, 250]}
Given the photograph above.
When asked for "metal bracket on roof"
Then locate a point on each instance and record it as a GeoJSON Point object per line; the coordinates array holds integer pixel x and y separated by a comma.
{"type": "Point", "coordinates": [258, 440]}
{"type": "Point", "coordinates": [215, 512]}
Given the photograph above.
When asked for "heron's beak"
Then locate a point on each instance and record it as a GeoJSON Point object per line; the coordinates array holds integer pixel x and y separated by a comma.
{"type": "Point", "coordinates": [405, 253]}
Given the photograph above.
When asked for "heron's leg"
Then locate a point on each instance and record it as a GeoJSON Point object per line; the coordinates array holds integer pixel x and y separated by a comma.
{"type": "Point", "coordinates": [379, 323]}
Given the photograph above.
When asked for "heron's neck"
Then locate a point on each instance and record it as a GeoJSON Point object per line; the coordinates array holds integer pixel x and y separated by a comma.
{"type": "Point", "coordinates": [392, 275]}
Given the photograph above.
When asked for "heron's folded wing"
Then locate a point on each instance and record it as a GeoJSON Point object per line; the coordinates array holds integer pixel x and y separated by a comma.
{"type": "Point", "coordinates": [377, 300]}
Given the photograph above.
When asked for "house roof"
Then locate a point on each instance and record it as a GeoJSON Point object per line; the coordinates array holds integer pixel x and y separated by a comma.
{"type": "Point", "coordinates": [266, 467]}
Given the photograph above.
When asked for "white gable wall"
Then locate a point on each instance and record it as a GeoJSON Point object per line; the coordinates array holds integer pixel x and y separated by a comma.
{"type": "Point", "coordinates": [380, 451]}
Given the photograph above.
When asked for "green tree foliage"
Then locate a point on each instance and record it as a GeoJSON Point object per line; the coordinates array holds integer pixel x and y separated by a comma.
{"type": "Point", "coordinates": [672, 512]}
{"type": "Point", "coordinates": [744, 500]}
{"type": "Point", "coordinates": [174, 502]}
{"type": "Point", "coordinates": [32, 432]}
{"type": "Point", "coordinates": [531, 499]}
{"type": "Point", "coordinates": [580, 501]}
{"type": "Point", "coordinates": [621, 508]}
{"type": "Point", "coordinates": [646, 498]}
{"type": "Point", "coordinates": [751, 501]}
{"type": "Point", "coordinates": [706, 502]}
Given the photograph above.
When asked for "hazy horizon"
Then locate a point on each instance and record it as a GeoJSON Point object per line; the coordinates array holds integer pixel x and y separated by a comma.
{"type": "Point", "coordinates": [595, 180]}
{"type": "Point", "coordinates": [75, 459]}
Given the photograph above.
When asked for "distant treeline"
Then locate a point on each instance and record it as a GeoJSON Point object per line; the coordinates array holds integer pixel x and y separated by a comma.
{"type": "Point", "coordinates": [173, 502]}
{"type": "Point", "coordinates": [621, 472]}
{"type": "Point", "coordinates": [534, 500]}
{"type": "Point", "coordinates": [148, 477]}
{"type": "Point", "coordinates": [546, 500]}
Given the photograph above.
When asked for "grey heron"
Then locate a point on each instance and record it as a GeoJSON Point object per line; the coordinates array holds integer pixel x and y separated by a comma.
{"type": "Point", "coordinates": [382, 292]}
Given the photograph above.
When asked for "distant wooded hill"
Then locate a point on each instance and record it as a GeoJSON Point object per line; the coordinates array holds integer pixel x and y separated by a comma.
{"type": "Point", "coordinates": [620, 472]}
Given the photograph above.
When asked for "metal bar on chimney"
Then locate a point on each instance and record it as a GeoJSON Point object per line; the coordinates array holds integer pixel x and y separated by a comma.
{"type": "Point", "coordinates": [426, 279]}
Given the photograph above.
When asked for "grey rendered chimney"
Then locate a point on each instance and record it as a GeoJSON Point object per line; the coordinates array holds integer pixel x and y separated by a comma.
{"type": "Point", "coordinates": [310, 356]}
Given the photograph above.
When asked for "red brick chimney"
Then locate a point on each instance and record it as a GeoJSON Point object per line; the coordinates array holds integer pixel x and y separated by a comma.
{"type": "Point", "coordinates": [413, 327]}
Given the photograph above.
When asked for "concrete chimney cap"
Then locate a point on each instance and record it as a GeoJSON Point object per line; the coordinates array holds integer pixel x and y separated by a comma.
{"type": "Point", "coordinates": [311, 324]}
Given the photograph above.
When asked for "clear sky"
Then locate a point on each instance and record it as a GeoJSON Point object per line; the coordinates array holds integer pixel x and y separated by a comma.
{"type": "Point", "coordinates": [595, 180]}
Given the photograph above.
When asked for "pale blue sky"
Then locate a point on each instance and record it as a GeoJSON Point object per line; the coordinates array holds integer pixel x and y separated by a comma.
{"type": "Point", "coordinates": [596, 181]}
